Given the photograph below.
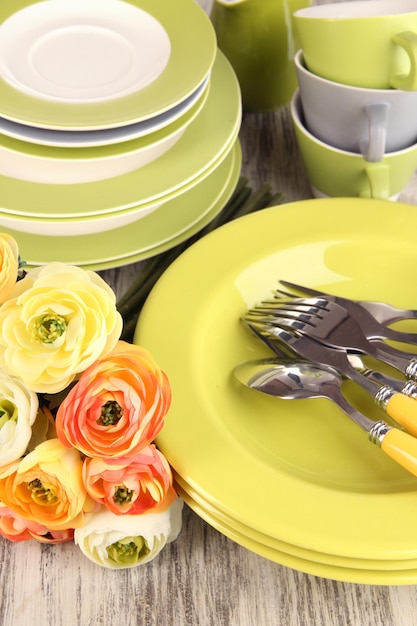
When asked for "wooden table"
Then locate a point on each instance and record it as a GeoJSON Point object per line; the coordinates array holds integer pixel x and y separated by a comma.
{"type": "Point", "coordinates": [203, 578]}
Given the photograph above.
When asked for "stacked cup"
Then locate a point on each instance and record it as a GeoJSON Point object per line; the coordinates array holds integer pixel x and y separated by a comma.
{"type": "Point", "coordinates": [355, 111]}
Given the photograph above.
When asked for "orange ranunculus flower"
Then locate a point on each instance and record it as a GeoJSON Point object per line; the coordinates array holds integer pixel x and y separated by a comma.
{"type": "Point", "coordinates": [9, 265]}
{"type": "Point", "coordinates": [46, 487]}
{"type": "Point", "coordinates": [16, 528]}
{"type": "Point", "coordinates": [118, 405]}
{"type": "Point", "coordinates": [130, 485]}
{"type": "Point", "coordinates": [54, 536]}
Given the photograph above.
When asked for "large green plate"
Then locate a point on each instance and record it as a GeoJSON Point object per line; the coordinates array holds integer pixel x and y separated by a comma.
{"type": "Point", "coordinates": [193, 50]}
{"type": "Point", "coordinates": [306, 564]}
{"type": "Point", "coordinates": [198, 503]}
{"type": "Point", "coordinates": [298, 471]}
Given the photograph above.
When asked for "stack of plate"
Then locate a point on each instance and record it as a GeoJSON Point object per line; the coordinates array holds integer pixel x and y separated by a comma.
{"type": "Point", "coordinates": [118, 127]}
{"type": "Point", "coordinates": [294, 481]}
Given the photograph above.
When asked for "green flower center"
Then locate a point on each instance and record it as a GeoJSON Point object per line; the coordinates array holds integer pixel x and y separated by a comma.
{"type": "Point", "coordinates": [47, 328]}
{"type": "Point", "coordinates": [111, 412]}
{"type": "Point", "coordinates": [128, 551]}
{"type": "Point", "coordinates": [40, 494]}
{"type": "Point", "coordinates": [122, 495]}
{"type": "Point", "coordinates": [8, 411]}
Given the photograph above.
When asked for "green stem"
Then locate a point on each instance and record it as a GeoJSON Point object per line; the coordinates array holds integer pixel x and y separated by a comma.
{"type": "Point", "coordinates": [154, 264]}
{"type": "Point", "coordinates": [242, 202]}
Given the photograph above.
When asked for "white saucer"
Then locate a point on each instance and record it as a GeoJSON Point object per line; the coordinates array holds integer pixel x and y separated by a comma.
{"type": "Point", "coordinates": [78, 51]}
{"type": "Point", "coordinates": [97, 64]}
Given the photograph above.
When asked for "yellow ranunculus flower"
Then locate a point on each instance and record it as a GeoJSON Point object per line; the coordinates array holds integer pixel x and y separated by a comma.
{"type": "Point", "coordinates": [9, 264]}
{"type": "Point", "coordinates": [58, 321]}
{"type": "Point", "coordinates": [47, 487]}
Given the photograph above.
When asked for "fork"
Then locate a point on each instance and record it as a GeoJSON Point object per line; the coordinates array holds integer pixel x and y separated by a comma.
{"type": "Point", "coordinates": [408, 387]}
{"type": "Point", "coordinates": [399, 406]}
{"type": "Point", "coordinates": [373, 316]}
{"type": "Point", "coordinates": [332, 325]}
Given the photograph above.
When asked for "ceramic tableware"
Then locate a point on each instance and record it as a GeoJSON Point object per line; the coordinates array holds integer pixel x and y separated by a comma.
{"type": "Point", "coordinates": [70, 165]}
{"type": "Point", "coordinates": [206, 141]}
{"type": "Point", "coordinates": [309, 562]}
{"type": "Point", "coordinates": [66, 52]}
{"type": "Point", "coordinates": [259, 39]}
{"type": "Point", "coordinates": [322, 558]}
{"type": "Point", "coordinates": [260, 464]}
{"type": "Point", "coordinates": [75, 65]}
{"type": "Point", "coordinates": [104, 137]}
{"type": "Point", "coordinates": [357, 119]}
{"type": "Point", "coordinates": [70, 227]}
{"type": "Point", "coordinates": [169, 225]}
{"type": "Point", "coordinates": [368, 43]}
{"type": "Point", "coordinates": [335, 172]}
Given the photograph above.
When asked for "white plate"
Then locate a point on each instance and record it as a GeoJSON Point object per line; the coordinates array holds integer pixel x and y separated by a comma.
{"type": "Point", "coordinates": [82, 51]}
{"type": "Point", "coordinates": [83, 65]}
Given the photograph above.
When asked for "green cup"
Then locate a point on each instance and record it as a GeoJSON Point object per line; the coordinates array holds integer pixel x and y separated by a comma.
{"type": "Point", "coordinates": [366, 43]}
{"type": "Point", "coordinates": [338, 173]}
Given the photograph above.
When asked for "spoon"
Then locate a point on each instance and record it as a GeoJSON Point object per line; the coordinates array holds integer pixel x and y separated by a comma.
{"type": "Point", "coordinates": [292, 380]}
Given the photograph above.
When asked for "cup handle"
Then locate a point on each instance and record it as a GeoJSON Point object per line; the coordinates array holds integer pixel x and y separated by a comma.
{"type": "Point", "coordinates": [378, 179]}
{"type": "Point", "coordinates": [374, 149]}
{"type": "Point", "coordinates": [408, 41]}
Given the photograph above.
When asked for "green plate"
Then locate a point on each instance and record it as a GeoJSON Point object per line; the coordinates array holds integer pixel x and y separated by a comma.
{"type": "Point", "coordinates": [106, 136]}
{"type": "Point", "coordinates": [166, 227]}
{"type": "Point", "coordinates": [193, 50]}
{"type": "Point", "coordinates": [107, 151]}
{"type": "Point", "coordinates": [298, 471]}
{"type": "Point", "coordinates": [199, 504]}
{"type": "Point", "coordinates": [310, 566]}
{"type": "Point", "coordinates": [198, 149]}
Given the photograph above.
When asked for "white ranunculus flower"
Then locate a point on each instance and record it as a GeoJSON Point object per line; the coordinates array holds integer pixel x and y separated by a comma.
{"type": "Point", "coordinates": [18, 409]}
{"type": "Point", "coordinates": [121, 541]}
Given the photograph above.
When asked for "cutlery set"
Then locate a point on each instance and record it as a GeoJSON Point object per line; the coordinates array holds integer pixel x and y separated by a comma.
{"type": "Point", "coordinates": [295, 379]}
{"type": "Point", "coordinates": [325, 338]}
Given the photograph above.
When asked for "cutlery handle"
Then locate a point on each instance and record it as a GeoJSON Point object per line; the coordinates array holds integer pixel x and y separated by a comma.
{"type": "Point", "coordinates": [401, 447]}
{"type": "Point", "coordinates": [403, 409]}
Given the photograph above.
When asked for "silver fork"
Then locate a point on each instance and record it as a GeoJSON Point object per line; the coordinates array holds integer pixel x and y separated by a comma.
{"type": "Point", "coordinates": [372, 316]}
{"type": "Point", "coordinates": [399, 406]}
{"type": "Point", "coordinates": [332, 325]}
{"type": "Point", "coordinates": [409, 387]}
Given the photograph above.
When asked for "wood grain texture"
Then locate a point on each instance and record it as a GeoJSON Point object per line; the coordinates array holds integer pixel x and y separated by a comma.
{"type": "Point", "coordinates": [204, 578]}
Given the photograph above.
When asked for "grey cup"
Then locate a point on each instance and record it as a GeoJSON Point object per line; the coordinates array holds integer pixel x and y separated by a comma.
{"type": "Point", "coordinates": [367, 121]}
